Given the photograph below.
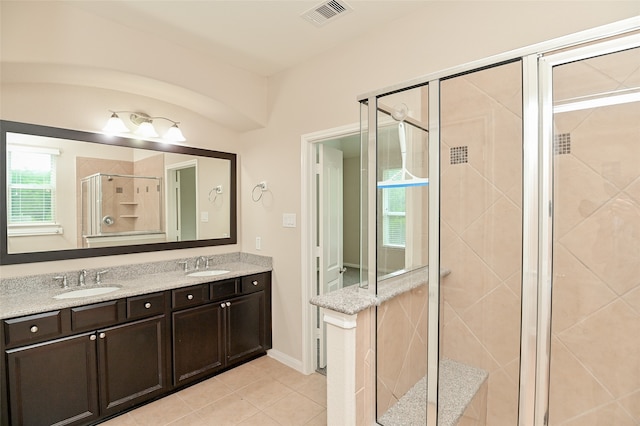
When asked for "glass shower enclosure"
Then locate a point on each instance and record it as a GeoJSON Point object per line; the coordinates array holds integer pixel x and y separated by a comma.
{"type": "Point", "coordinates": [509, 192]}
{"type": "Point", "coordinates": [121, 206]}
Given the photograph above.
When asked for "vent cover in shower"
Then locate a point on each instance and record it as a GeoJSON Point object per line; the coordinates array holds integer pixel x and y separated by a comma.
{"type": "Point", "coordinates": [325, 12]}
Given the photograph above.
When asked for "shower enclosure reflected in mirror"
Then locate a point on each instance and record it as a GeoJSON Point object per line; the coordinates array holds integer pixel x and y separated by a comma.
{"type": "Point", "coordinates": [70, 194]}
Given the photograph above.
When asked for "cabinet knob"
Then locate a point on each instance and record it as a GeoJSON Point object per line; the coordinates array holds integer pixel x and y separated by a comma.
{"type": "Point", "coordinates": [34, 329]}
{"type": "Point", "coordinates": [228, 303]}
{"type": "Point", "coordinates": [92, 337]}
{"type": "Point", "coordinates": [190, 296]}
{"type": "Point", "coordinates": [222, 305]}
{"type": "Point", "coordinates": [147, 305]}
{"type": "Point", "coordinates": [254, 282]}
{"type": "Point", "coordinates": [102, 335]}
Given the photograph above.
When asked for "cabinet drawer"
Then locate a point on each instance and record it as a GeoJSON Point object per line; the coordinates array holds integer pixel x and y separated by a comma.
{"type": "Point", "coordinates": [222, 289]}
{"type": "Point", "coordinates": [97, 315]}
{"type": "Point", "coordinates": [33, 328]}
{"type": "Point", "coordinates": [190, 296]}
{"type": "Point", "coordinates": [145, 305]}
{"type": "Point", "coordinates": [254, 283]}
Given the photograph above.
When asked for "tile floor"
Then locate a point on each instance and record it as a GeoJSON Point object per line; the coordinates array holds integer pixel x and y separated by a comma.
{"type": "Point", "coordinates": [262, 392]}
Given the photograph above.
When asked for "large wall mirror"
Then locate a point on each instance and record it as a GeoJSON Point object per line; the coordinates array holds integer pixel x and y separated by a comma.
{"type": "Point", "coordinates": [69, 194]}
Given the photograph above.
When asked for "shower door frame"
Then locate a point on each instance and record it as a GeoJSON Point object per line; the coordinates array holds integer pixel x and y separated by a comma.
{"type": "Point", "coordinates": [537, 196]}
{"type": "Point", "coordinates": [545, 72]}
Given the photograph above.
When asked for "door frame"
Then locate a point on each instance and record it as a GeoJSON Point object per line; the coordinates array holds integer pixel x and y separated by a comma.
{"type": "Point", "coordinates": [169, 171]}
{"type": "Point", "coordinates": [308, 224]}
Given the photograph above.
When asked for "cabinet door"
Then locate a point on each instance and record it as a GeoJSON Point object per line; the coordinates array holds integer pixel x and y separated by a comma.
{"type": "Point", "coordinates": [246, 329]}
{"type": "Point", "coordinates": [54, 383]}
{"type": "Point", "coordinates": [198, 343]}
{"type": "Point", "coordinates": [132, 363]}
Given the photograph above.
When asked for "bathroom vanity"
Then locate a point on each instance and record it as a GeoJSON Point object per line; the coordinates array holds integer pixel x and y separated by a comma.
{"type": "Point", "coordinates": [91, 358]}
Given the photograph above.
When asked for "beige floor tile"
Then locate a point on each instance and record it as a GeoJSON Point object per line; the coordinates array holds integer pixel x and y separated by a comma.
{"type": "Point", "coordinates": [161, 412]}
{"type": "Point", "coordinates": [204, 393]}
{"type": "Point", "coordinates": [319, 420]}
{"type": "Point", "coordinates": [294, 410]}
{"type": "Point", "coordinates": [124, 420]}
{"type": "Point", "coordinates": [315, 388]}
{"type": "Point", "coordinates": [289, 377]}
{"type": "Point", "coordinates": [190, 420]}
{"type": "Point", "coordinates": [264, 392]}
{"type": "Point", "coordinates": [241, 376]}
{"type": "Point", "coordinates": [229, 410]}
{"type": "Point", "coordinates": [259, 419]}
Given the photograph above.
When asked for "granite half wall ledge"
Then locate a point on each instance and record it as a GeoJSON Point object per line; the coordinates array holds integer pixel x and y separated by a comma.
{"type": "Point", "coordinates": [353, 299]}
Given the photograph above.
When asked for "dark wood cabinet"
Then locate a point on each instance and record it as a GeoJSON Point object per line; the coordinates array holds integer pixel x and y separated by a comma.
{"type": "Point", "coordinates": [228, 329]}
{"type": "Point", "coordinates": [80, 365]}
{"type": "Point", "coordinates": [198, 344]}
{"type": "Point", "coordinates": [131, 364]}
{"type": "Point", "coordinates": [54, 382]}
{"type": "Point", "coordinates": [246, 327]}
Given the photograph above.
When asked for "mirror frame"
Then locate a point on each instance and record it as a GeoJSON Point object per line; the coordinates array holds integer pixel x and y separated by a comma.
{"type": "Point", "coordinates": [7, 258]}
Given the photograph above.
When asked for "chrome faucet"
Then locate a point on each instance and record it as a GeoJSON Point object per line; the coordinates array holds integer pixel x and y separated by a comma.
{"type": "Point", "coordinates": [99, 276]}
{"type": "Point", "coordinates": [62, 278]}
{"type": "Point", "coordinates": [185, 265]}
{"type": "Point", "coordinates": [202, 258]}
{"type": "Point", "coordinates": [82, 277]}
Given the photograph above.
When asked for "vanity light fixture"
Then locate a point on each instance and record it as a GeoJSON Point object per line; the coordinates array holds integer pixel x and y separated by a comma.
{"type": "Point", "coordinates": [144, 124]}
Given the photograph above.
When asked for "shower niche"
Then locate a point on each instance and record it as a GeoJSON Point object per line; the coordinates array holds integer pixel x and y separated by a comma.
{"type": "Point", "coordinates": [122, 208]}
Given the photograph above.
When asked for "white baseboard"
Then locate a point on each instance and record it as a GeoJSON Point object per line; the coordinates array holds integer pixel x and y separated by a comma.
{"type": "Point", "coordinates": [351, 265]}
{"type": "Point", "coordinates": [296, 364]}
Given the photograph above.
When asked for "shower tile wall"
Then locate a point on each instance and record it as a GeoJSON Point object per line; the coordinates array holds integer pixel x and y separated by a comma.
{"type": "Point", "coordinates": [402, 346]}
{"type": "Point", "coordinates": [149, 201]}
{"type": "Point", "coordinates": [595, 361]}
{"type": "Point", "coordinates": [364, 368]}
{"type": "Point", "coordinates": [481, 228]}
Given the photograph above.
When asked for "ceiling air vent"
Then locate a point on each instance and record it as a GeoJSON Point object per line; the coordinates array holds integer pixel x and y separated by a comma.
{"type": "Point", "coordinates": [325, 12]}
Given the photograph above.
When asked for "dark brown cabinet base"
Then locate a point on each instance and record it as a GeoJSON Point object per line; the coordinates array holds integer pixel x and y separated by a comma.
{"type": "Point", "coordinates": [230, 327]}
{"type": "Point", "coordinates": [198, 349]}
{"type": "Point", "coordinates": [131, 364]}
{"type": "Point", "coordinates": [128, 350]}
{"type": "Point", "coordinates": [54, 383]}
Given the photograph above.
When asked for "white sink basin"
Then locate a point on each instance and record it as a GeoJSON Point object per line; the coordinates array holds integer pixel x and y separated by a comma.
{"type": "Point", "coordinates": [211, 273]}
{"type": "Point", "coordinates": [86, 292]}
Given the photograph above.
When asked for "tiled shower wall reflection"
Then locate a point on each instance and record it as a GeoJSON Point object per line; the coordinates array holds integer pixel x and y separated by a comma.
{"type": "Point", "coordinates": [595, 348]}
{"type": "Point", "coordinates": [148, 202]}
{"type": "Point", "coordinates": [481, 229]}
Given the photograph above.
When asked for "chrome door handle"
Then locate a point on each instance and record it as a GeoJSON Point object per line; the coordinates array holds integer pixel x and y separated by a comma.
{"type": "Point", "coordinates": [343, 270]}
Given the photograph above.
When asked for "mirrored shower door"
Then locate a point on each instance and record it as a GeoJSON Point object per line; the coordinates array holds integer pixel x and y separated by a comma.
{"type": "Point", "coordinates": [594, 368]}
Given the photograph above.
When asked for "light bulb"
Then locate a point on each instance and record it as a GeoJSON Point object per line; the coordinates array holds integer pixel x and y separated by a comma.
{"type": "Point", "coordinates": [115, 125]}
{"type": "Point", "coordinates": [174, 134]}
{"type": "Point", "coordinates": [146, 130]}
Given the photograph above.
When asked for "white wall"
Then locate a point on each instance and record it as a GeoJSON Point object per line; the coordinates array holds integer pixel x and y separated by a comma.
{"type": "Point", "coordinates": [313, 96]}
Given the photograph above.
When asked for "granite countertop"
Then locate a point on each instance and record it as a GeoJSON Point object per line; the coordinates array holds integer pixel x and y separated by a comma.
{"type": "Point", "coordinates": [31, 295]}
{"type": "Point", "coordinates": [353, 299]}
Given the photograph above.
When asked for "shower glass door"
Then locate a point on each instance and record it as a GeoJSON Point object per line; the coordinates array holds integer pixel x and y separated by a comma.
{"type": "Point", "coordinates": [402, 193]}
{"type": "Point", "coordinates": [481, 246]}
{"type": "Point", "coordinates": [595, 299]}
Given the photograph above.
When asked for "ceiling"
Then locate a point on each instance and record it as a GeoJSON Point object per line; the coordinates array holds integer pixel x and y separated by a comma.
{"type": "Point", "coordinates": [261, 36]}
